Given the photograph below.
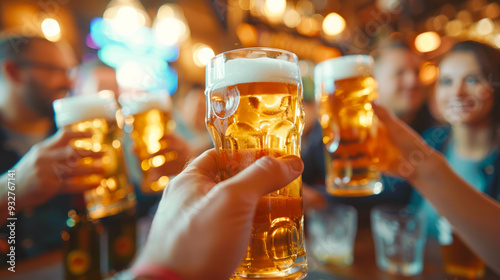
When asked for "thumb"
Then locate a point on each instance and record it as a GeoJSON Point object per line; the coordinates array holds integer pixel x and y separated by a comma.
{"type": "Point", "coordinates": [266, 175]}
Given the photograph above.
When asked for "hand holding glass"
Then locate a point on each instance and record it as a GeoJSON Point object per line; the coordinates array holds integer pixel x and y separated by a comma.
{"type": "Point", "coordinates": [345, 89]}
{"type": "Point", "coordinates": [96, 114]}
{"type": "Point", "coordinates": [254, 109]}
{"type": "Point", "coordinates": [148, 120]}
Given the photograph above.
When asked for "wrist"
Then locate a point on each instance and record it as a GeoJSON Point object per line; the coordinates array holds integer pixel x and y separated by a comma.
{"type": "Point", "coordinates": [425, 170]}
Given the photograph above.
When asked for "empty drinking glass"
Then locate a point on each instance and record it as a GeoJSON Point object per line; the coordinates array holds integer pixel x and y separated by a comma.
{"type": "Point", "coordinates": [332, 233]}
{"type": "Point", "coordinates": [399, 234]}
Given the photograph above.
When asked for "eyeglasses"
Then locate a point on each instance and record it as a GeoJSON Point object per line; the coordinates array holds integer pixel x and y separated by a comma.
{"type": "Point", "coordinates": [69, 72]}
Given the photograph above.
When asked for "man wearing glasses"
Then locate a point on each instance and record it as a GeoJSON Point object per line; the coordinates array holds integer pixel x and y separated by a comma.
{"type": "Point", "coordinates": [33, 73]}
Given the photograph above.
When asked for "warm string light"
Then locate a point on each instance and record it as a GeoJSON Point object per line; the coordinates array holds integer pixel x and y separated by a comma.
{"type": "Point", "coordinates": [171, 28]}
{"type": "Point", "coordinates": [170, 25]}
{"type": "Point", "coordinates": [202, 54]}
{"type": "Point", "coordinates": [427, 41]}
{"type": "Point", "coordinates": [333, 24]}
{"type": "Point", "coordinates": [126, 16]}
{"type": "Point", "coordinates": [51, 29]}
{"type": "Point", "coordinates": [485, 26]}
{"type": "Point", "coordinates": [300, 15]}
{"type": "Point", "coordinates": [275, 8]}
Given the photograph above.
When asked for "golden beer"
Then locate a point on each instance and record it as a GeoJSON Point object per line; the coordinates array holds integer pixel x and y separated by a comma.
{"type": "Point", "coordinates": [345, 89]}
{"type": "Point", "coordinates": [95, 114]}
{"type": "Point", "coordinates": [461, 261]}
{"type": "Point", "coordinates": [148, 120]}
{"type": "Point", "coordinates": [254, 111]}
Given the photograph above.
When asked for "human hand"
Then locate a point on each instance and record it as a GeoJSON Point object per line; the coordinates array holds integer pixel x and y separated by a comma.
{"type": "Point", "coordinates": [202, 228]}
{"type": "Point", "coordinates": [174, 156]}
{"type": "Point", "coordinates": [404, 152]}
{"type": "Point", "coordinates": [176, 152]}
{"type": "Point", "coordinates": [51, 167]}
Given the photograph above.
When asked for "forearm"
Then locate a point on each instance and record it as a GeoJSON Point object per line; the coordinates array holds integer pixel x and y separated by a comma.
{"type": "Point", "coordinates": [474, 215]}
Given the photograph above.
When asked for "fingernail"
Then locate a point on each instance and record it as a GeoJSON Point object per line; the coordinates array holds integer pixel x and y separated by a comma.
{"type": "Point", "coordinates": [295, 162]}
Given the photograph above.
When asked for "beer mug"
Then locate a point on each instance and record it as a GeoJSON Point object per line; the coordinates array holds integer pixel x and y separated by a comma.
{"type": "Point", "coordinates": [254, 109]}
{"type": "Point", "coordinates": [344, 89]}
{"type": "Point", "coordinates": [148, 120]}
{"type": "Point", "coordinates": [458, 259]}
{"type": "Point", "coordinates": [96, 114]}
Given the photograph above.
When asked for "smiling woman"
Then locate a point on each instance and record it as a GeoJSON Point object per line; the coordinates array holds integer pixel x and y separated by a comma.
{"type": "Point", "coordinates": [464, 94]}
{"type": "Point", "coordinates": [469, 86]}
{"type": "Point", "coordinates": [468, 97]}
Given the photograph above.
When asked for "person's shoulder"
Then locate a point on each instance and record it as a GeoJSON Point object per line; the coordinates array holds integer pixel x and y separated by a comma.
{"type": "Point", "coordinates": [437, 136]}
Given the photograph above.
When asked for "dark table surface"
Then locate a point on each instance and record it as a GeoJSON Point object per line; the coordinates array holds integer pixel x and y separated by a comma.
{"type": "Point", "coordinates": [50, 266]}
{"type": "Point", "coordinates": [365, 268]}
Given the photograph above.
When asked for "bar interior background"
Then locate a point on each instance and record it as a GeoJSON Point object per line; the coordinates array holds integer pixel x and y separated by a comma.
{"type": "Point", "coordinates": [171, 41]}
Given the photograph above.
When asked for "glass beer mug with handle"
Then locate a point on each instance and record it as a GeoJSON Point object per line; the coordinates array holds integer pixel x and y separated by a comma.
{"type": "Point", "coordinates": [458, 259]}
{"type": "Point", "coordinates": [148, 120]}
{"type": "Point", "coordinates": [96, 114]}
{"type": "Point", "coordinates": [254, 109]}
{"type": "Point", "coordinates": [344, 91]}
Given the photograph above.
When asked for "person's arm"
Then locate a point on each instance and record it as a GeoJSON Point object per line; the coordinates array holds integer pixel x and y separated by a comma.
{"type": "Point", "coordinates": [474, 215]}
{"type": "Point", "coordinates": [202, 227]}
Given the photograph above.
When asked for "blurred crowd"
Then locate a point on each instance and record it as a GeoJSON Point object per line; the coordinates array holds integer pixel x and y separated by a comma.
{"type": "Point", "coordinates": [458, 117]}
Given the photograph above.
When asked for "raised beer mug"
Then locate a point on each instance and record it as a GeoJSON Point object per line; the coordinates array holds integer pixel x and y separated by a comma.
{"type": "Point", "coordinates": [147, 121]}
{"type": "Point", "coordinates": [96, 114]}
{"type": "Point", "coordinates": [254, 109]}
{"type": "Point", "coordinates": [344, 89]}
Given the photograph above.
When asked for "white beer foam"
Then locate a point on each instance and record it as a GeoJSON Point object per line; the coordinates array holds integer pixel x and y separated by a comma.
{"type": "Point", "coordinates": [133, 105]}
{"type": "Point", "coordinates": [343, 67]}
{"type": "Point", "coordinates": [249, 70]}
{"type": "Point", "coordinates": [73, 109]}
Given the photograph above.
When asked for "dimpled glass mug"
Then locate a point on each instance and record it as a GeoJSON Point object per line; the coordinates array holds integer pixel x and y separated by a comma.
{"type": "Point", "coordinates": [345, 88]}
{"type": "Point", "coordinates": [96, 114]}
{"type": "Point", "coordinates": [254, 109]}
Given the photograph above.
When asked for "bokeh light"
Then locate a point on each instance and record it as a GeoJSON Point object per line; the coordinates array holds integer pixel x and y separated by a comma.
{"type": "Point", "coordinates": [485, 26]}
{"type": "Point", "coordinates": [51, 29]}
{"type": "Point", "coordinates": [427, 41]}
{"type": "Point", "coordinates": [333, 24]}
{"type": "Point", "coordinates": [202, 54]}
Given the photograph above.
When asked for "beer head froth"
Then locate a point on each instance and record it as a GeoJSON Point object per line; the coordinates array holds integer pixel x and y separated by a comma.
{"type": "Point", "coordinates": [249, 70]}
{"type": "Point", "coordinates": [344, 67]}
{"type": "Point", "coordinates": [73, 109]}
{"type": "Point", "coordinates": [133, 105]}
